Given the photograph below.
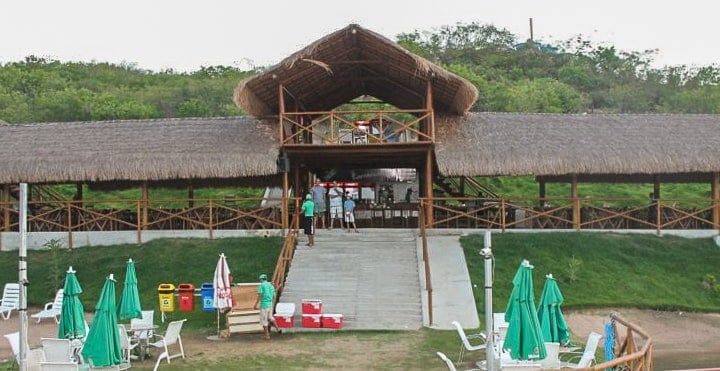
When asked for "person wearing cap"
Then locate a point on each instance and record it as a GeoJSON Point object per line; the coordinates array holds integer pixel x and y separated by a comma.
{"type": "Point", "coordinates": [307, 209]}
{"type": "Point", "coordinates": [318, 195]}
{"type": "Point", "coordinates": [265, 298]}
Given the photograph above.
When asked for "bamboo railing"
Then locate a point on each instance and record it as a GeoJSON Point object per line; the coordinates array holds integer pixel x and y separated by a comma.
{"type": "Point", "coordinates": [341, 127]}
{"type": "Point", "coordinates": [633, 352]}
{"type": "Point", "coordinates": [286, 255]}
{"type": "Point", "coordinates": [473, 213]}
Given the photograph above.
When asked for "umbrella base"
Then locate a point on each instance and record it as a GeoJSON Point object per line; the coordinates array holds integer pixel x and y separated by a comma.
{"type": "Point", "coordinates": [216, 338]}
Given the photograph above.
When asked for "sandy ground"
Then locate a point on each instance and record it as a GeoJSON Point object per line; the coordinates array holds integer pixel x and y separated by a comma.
{"type": "Point", "coordinates": [681, 340]}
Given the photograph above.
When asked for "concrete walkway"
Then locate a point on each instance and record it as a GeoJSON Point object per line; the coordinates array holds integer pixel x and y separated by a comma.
{"type": "Point", "coordinates": [453, 293]}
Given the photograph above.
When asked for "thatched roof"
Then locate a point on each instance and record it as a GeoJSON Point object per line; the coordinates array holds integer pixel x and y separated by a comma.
{"type": "Point", "coordinates": [242, 150]}
{"type": "Point", "coordinates": [347, 64]}
{"type": "Point", "coordinates": [558, 144]}
{"type": "Point", "coordinates": [163, 149]}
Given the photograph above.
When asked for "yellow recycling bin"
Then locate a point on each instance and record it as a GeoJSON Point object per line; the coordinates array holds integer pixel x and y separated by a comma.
{"type": "Point", "coordinates": [166, 293]}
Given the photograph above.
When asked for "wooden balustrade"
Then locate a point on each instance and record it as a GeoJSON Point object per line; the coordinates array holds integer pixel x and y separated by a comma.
{"type": "Point", "coordinates": [356, 127]}
{"type": "Point", "coordinates": [476, 213]}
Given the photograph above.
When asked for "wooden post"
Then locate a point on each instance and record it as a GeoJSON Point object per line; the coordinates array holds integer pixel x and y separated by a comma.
{"type": "Point", "coordinates": [541, 191]}
{"type": "Point", "coordinates": [191, 194]}
{"type": "Point", "coordinates": [212, 218]}
{"type": "Point", "coordinates": [281, 114]}
{"type": "Point", "coordinates": [427, 184]}
{"type": "Point", "coordinates": [69, 224]}
{"type": "Point", "coordinates": [429, 107]}
{"type": "Point", "coordinates": [145, 203]}
{"type": "Point", "coordinates": [284, 209]}
{"type": "Point", "coordinates": [715, 190]}
{"type": "Point", "coordinates": [576, 202]}
{"type": "Point", "coordinates": [6, 210]}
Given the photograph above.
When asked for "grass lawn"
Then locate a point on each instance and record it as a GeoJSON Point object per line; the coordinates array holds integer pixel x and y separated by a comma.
{"type": "Point", "coordinates": [594, 270]}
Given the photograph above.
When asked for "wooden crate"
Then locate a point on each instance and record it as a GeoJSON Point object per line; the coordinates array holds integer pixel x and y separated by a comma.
{"type": "Point", "coordinates": [242, 318]}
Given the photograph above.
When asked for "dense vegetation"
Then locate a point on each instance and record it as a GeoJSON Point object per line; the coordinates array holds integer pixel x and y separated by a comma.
{"type": "Point", "coordinates": [575, 76]}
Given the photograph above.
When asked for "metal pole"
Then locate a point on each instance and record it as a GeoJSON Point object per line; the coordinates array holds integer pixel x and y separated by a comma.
{"type": "Point", "coordinates": [22, 279]}
{"type": "Point", "coordinates": [486, 252]}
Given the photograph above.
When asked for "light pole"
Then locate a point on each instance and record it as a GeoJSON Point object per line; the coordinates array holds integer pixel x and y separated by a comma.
{"type": "Point", "coordinates": [486, 252]}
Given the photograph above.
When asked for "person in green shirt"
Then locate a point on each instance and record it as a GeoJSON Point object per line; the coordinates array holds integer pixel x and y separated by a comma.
{"type": "Point", "coordinates": [308, 210]}
{"type": "Point", "coordinates": [265, 299]}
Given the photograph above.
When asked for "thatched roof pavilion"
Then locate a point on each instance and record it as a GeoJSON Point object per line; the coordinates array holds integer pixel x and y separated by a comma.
{"type": "Point", "coordinates": [349, 63]}
{"type": "Point", "coordinates": [339, 67]}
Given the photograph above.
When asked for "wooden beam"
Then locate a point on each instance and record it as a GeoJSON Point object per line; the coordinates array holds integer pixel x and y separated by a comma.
{"type": "Point", "coordinates": [715, 190]}
{"type": "Point", "coordinates": [281, 108]}
{"type": "Point", "coordinates": [6, 210]}
{"type": "Point", "coordinates": [575, 202]}
{"type": "Point", "coordinates": [284, 209]}
{"type": "Point", "coordinates": [428, 182]}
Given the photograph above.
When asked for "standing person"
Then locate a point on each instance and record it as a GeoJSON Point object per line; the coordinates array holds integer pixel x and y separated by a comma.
{"type": "Point", "coordinates": [408, 195]}
{"type": "Point", "coordinates": [336, 199]}
{"type": "Point", "coordinates": [350, 213]}
{"type": "Point", "coordinates": [308, 216]}
{"type": "Point", "coordinates": [318, 197]}
{"type": "Point", "coordinates": [265, 298]}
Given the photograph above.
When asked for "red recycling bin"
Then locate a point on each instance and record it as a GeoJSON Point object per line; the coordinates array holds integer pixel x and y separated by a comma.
{"type": "Point", "coordinates": [186, 295]}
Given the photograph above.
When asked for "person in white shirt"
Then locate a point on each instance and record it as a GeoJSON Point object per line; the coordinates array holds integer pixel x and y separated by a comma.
{"type": "Point", "coordinates": [336, 204]}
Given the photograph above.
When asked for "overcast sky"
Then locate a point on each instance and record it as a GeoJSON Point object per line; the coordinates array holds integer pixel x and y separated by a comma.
{"type": "Point", "coordinates": [184, 34]}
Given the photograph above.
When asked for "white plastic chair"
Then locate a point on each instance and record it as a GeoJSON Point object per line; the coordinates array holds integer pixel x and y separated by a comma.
{"type": "Point", "coordinates": [52, 309]}
{"type": "Point", "coordinates": [449, 364]}
{"type": "Point", "coordinates": [142, 327]}
{"type": "Point", "coordinates": [587, 357]}
{"type": "Point", "coordinates": [126, 344]}
{"type": "Point", "coordinates": [57, 350]}
{"type": "Point", "coordinates": [10, 300]}
{"type": "Point", "coordinates": [552, 360]}
{"type": "Point", "coordinates": [465, 341]}
{"type": "Point", "coordinates": [171, 337]}
{"type": "Point", "coordinates": [59, 366]}
{"type": "Point", "coordinates": [34, 356]}
{"type": "Point", "coordinates": [500, 326]}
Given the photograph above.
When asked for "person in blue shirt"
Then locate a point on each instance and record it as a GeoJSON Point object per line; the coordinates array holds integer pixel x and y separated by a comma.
{"type": "Point", "coordinates": [265, 299]}
{"type": "Point", "coordinates": [349, 206]}
{"type": "Point", "coordinates": [318, 195]}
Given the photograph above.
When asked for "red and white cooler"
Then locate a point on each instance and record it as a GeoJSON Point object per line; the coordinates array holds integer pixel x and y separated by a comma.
{"type": "Point", "coordinates": [311, 306]}
{"type": "Point", "coordinates": [332, 320]}
{"type": "Point", "coordinates": [285, 314]}
{"type": "Point", "coordinates": [311, 320]}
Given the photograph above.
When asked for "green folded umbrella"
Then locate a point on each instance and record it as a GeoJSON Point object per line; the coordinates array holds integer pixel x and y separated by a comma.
{"type": "Point", "coordinates": [523, 339]}
{"type": "Point", "coordinates": [552, 322]}
{"type": "Point", "coordinates": [102, 345]}
{"type": "Point", "coordinates": [72, 315]}
{"type": "Point", "coordinates": [130, 300]}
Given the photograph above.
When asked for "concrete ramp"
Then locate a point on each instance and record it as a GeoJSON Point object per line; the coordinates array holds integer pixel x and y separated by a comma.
{"type": "Point", "coordinates": [375, 279]}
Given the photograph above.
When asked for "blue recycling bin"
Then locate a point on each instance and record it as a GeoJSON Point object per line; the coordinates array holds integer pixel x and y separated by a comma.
{"type": "Point", "coordinates": [207, 291]}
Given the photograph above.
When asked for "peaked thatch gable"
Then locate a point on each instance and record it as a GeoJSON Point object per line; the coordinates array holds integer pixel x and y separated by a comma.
{"type": "Point", "coordinates": [557, 144]}
{"type": "Point", "coordinates": [163, 149]}
{"type": "Point", "coordinates": [347, 64]}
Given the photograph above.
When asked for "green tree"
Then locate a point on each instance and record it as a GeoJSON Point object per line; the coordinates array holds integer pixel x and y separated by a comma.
{"type": "Point", "coordinates": [544, 95]}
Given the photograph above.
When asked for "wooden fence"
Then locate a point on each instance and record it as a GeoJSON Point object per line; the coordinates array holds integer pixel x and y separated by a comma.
{"type": "Point", "coordinates": [259, 213]}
